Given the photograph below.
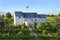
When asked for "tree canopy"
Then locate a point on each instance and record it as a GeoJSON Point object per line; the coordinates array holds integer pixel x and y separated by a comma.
{"type": "Point", "coordinates": [8, 15]}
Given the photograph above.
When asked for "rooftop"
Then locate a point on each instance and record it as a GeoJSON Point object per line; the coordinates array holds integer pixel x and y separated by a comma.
{"type": "Point", "coordinates": [29, 15]}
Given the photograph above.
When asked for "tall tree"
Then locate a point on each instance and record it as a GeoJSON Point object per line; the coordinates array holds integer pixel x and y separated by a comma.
{"type": "Point", "coordinates": [59, 14]}
{"type": "Point", "coordinates": [8, 15]}
{"type": "Point", "coordinates": [1, 21]}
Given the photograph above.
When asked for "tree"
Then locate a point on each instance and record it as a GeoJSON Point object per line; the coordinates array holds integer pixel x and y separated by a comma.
{"type": "Point", "coordinates": [57, 21]}
{"type": "Point", "coordinates": [51, 27]}
{"type": "Point", "coordinates": [59, 14]}
{"type": "Point", "coordinates": [39, 25]}
{"type": "Point", "coordinates": [3, 16]}
{"type": "Point", "coordinates": [8, 15]}
{"type": "Point", "coordinates": [1, 21]}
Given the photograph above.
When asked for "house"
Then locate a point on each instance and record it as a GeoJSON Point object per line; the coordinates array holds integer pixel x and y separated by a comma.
{"type": "Point", "coordinates": [28, 18]}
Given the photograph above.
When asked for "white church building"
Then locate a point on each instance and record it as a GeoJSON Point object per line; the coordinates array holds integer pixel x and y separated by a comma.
{"type": "Point", "coordinates": [29, 18]}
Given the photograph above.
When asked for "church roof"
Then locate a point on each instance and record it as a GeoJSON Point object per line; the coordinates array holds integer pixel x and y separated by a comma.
{"type": "Point", "coordinates": [29, 15]}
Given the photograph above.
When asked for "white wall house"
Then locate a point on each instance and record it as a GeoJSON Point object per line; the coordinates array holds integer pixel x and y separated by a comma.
{"type": "Point", "coordinates": [28, 18]}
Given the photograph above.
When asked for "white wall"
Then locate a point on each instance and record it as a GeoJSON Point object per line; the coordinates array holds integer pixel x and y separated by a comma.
{"type": "Point", "coordinates": [32, 20]}
{"type": "Point", "coordinates": [21, 20]}
{"type": "Point", "coordinates": [28, 22]}
{"type": "Point", "coordinates": [18, 20]}
{"type": "Point", "coordinates": [43, 20]}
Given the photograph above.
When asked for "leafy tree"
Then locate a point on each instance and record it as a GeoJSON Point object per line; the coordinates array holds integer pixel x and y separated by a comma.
{"type": "Point", "coordinates": [57, 21]}
{"type": "Point", "coordinates": [59, 14]}
{"type": "Point", "coordinates": [1, 21]}
{"type": "Point", "coordinates": [39, 28]}
{"type": "Point", "coordinates": [51, 28]}
{"type": "Point", "coordinates": [2, 16]}
{"type": "Point", "coordinates": [39, 25]}
{"type": "Point", "coordinates": [8, 15]}
{"type": "Point", "coordinates": [19, 33]}
{"type": "Point", "coordinates": [23, 26]}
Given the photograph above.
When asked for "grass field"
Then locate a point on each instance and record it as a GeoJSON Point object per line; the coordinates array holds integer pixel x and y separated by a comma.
{"type": "Point", "coordinates": [49, 19]}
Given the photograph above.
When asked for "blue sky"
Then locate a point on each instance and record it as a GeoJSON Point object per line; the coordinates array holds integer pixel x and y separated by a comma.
{"type": "Point", "coordinates": [40, 6]}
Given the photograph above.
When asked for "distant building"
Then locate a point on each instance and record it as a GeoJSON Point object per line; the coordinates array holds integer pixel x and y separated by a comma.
{"type": "Point", "coordinates": [28, 18]}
